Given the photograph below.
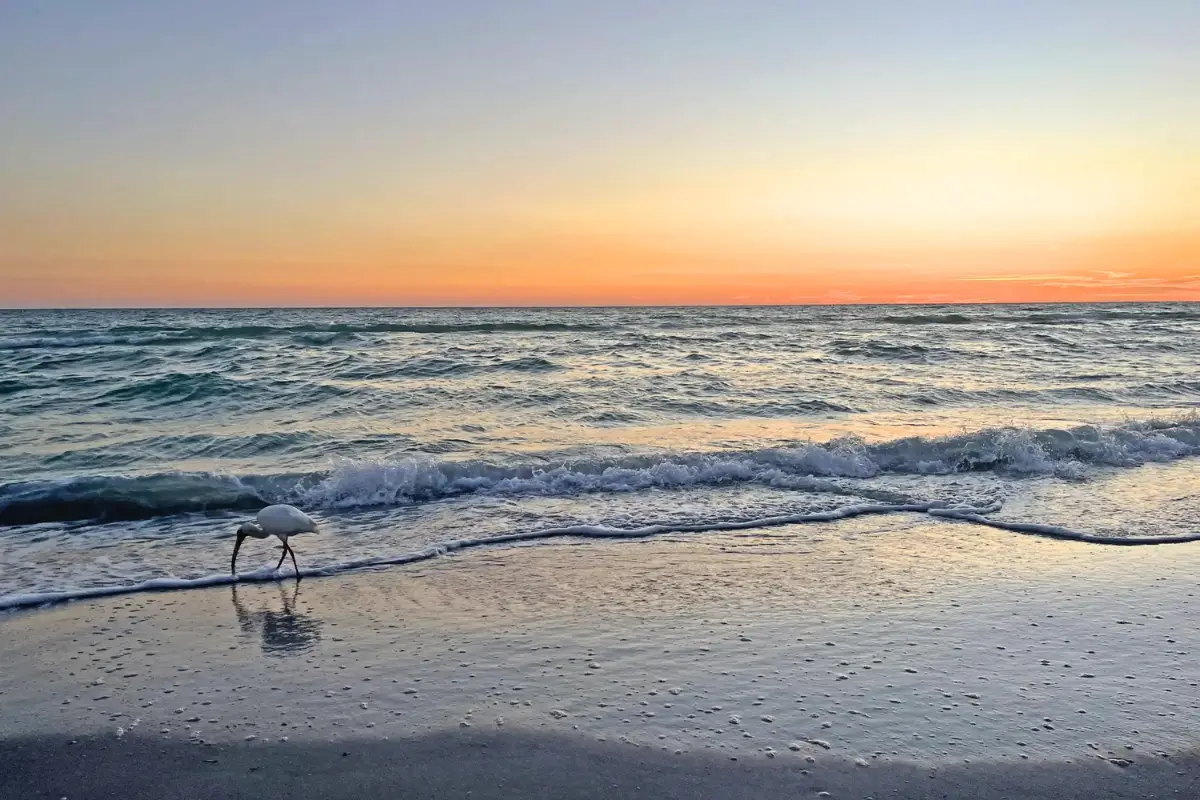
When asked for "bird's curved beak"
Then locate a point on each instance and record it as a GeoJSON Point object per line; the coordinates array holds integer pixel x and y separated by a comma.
{"type": "Point", "coordinates": [237, 546]}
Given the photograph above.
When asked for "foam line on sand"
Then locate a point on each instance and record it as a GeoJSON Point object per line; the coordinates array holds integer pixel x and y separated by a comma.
{"type": "Point", "coordinates": [936, 509]}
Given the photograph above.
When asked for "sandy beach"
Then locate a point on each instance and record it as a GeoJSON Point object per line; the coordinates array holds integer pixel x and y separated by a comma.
{"type": "Point", "coordinates": [879, 657]}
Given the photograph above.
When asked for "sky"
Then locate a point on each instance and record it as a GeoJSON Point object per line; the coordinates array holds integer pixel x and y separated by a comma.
{"type": "Point", "coordinates": [597, 153]}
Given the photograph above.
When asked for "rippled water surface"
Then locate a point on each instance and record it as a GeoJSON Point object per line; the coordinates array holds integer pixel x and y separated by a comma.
{"type": "Point", "coordinates": [131, 440]}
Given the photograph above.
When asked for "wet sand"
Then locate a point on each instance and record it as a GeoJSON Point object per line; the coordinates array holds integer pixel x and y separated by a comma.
{"type": "Point", "coordinates": [858, 658]}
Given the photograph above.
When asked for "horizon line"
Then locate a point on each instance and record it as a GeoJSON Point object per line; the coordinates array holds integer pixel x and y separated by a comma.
{"type": "Point", "coordinates": [481, 307]}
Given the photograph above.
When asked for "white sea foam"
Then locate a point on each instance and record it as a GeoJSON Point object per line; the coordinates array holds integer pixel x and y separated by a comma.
{"type": "Point", "coordinates": [1066, 453]}
{"type": "Point", "coordinates": [1059, 532]}
{"type": "Point", "coordinates": [812, 466]}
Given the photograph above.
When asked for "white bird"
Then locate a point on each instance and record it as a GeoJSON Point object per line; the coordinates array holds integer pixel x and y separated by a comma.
{"type": "Point", "coordinates": [278, 520]}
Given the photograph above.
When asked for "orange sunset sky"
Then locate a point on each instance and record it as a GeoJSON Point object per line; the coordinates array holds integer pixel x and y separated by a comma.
{"type": "Point", "coordinates": [531, 153]}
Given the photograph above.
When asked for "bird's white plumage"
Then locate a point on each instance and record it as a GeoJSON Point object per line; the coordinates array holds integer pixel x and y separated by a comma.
{"type": "Point", "coordinates": [281, 521]}
{"type": "Point", "coordinates": [284, 521]}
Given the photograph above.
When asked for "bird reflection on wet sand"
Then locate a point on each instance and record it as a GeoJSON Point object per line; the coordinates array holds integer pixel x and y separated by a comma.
{"type": "Point", "coordinates": [284, 633]}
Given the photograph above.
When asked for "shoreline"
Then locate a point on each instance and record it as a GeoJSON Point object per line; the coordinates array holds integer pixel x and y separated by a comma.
{"type": "Point", "coordinates": [897, 642]}
{"type": "Point", "coordinates": [932, 510]}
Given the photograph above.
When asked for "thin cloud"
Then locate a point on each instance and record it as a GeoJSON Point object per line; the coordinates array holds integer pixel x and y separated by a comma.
{"type": "Point", "coordinates": [1112, 280]}
{"type": "Point", "coordinates": [1020, 278]}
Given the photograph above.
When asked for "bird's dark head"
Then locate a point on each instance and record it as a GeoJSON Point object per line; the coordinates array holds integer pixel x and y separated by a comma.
{"type": "Point", "coordinates": [244, 530]}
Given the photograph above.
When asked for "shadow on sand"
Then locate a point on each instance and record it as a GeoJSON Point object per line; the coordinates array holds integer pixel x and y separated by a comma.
{"type": "Point", "coordinates": [487, 766]}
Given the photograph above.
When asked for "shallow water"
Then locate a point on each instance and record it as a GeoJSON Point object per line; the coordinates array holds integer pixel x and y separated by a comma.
{"type": "Point", "coordinates": [132, 440]}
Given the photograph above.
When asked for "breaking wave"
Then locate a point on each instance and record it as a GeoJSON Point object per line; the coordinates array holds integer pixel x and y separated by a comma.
{"type": "Point", "coordinates": [1066, 453]}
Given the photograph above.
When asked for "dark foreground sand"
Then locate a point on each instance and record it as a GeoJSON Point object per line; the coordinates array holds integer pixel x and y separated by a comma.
{"type": "Point", "coordinates": [893, 659]}
{"type": "Point", "coordinates": [481, 766]}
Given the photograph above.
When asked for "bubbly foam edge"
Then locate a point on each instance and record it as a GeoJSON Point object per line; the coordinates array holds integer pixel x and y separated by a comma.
{"type": "Point", "coordinates": [1068, 454]}
{"type": "Point", "coordinates": [936, 509]}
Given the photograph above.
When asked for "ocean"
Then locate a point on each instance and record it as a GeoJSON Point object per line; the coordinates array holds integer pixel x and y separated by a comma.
{"type": "Point", "coordinates": [133, 442]}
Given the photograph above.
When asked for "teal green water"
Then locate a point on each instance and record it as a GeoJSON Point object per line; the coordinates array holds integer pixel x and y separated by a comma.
{"type": "Point", "coordinates": [131, 440]}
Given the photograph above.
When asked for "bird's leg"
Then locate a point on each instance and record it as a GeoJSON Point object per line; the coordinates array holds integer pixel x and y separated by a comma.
{"type": "Point", "coordinates": [282, 556]}
{"type": "Point", "coordinates": [292, 553]}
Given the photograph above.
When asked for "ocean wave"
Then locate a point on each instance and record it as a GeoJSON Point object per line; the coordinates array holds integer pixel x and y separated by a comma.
{"type": "Point", "coordinates": [1082, 315]}
{"type": "Point", "coordinates": [440, 367]}
{"type": "Point", "coordinates": [1057, 341]}
{"type": "Point", "coordinates": [746, 407]}
{"type": "Point", "coordinates": [1149, 313]}
{"type": "Point", "coordinates": [953, 396]}
{"type": "Point", "coordinates": [174, 387]}
{"type": "Point", "coordinates": [334, 329]}
{"type": "Point", "coordinates": [323, 338]}
{"type": "Point", "coordinates": [107, 498]}
{"type": "Point", "coordinates": [927, 319]}
{"type": "Point", "coordinates": [311, 334]}
{"type": "Point", "coordinates": [812, 466]}
{"type": "Point", "coordinates": [1178, 393]}
{"type": "Point", "coordinates": [611, 417]}
{"type": "Point", "coordinates": [276, 444]}
{"type": "Point", "coordinates": [65, 341]}
{"type": "Point", "coordinates": [889, 351]}
{"type": "Point", "coordinates": [8, 386]}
